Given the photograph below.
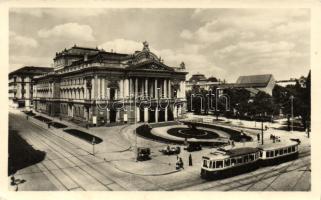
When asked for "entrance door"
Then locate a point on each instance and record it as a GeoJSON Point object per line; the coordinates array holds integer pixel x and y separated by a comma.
{"type": "Point", "coordinates": [112, 115]}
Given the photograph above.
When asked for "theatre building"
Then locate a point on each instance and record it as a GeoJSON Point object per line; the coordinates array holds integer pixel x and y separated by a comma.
{"type": "Point", "coordinates": [93, 86]}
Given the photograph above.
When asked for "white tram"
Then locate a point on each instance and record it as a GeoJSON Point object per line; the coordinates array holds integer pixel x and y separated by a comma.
{"type": "Point", "coordinates": [278, 152]}
{"type": "Point", "coordinates": [229, 162]}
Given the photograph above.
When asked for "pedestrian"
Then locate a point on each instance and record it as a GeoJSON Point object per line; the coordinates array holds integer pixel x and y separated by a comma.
{"type": "Point", "coordinates": [27, 117]}
{"type": "Point", "coordinates": [190, 161]}
{"type": "Point", "coordinates": [233, 145]}
{"type": "Point", "coordinates": [181, 163]}
{"type": "Point", "coordinates": [258, 137]}
{"type": "Point", "coordinates": [48, 125]}
{"type": "Point", "coordinates": [178, 164]}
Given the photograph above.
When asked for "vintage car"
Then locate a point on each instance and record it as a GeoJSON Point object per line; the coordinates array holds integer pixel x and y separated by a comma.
{"type": "Point", "coordinates": [143, 153]}
{"type": "Point", "coordinates": [193, 147]}
{"type": "Point", "coordinates": [171, 150]}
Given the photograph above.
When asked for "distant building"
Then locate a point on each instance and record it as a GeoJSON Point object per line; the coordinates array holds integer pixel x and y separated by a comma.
{"type": "Point", "coordinates": [256, 83]}
{"type": "Point", "coordinates": [21, 85]}
{"type": "Point", "coordinates": [202, 82]}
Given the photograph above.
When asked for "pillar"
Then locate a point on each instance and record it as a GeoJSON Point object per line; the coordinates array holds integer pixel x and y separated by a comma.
{"type": "Point", "coordinates": [103, 88]}
{"type": "Point", "coordinates": [131, 87]}
{"type": "Point", "coordinates": [155, 86]}
{"type": "Point", "coordinates": [169, 89]}
{"type": "Point", "coordinates": [137, 114]}
{"type": "Point", "coordinates": [121, 88]}
{"type": "Point", "coordinates": [146, 87]}
{"type": "Point", "coordinates": [166, 114]}
{"type": "Point", "coordinates": [98, 88]}
{"type": "Point", "coordinates": [126, 88]}
{"type": "Point", "coordinates": [146, 115]}
{"type": "Point", "coordinates": [151, 93]}
{"type": "Point", "coordinates": [136, 87]}
{"type": "Point", "coordinates": [108, 115]}
{"type": "Point", "coordinates": [165, 88]}
{"type": "Point", "coordinates": [118, 115]}
{"type": "Point", "coordinates": [156, 114]}
{"type": "Point", "coordinates": [175, 112]}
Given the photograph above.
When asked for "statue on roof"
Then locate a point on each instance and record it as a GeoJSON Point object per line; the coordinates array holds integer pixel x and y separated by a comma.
{"type": "Point", "coordinates": [146, 48]}
{"type": "Point", "coordinates": [182, 65]}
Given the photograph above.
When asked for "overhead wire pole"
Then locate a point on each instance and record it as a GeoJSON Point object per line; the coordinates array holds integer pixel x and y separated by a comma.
{"type": "Point", "coordinates": [292, 117]}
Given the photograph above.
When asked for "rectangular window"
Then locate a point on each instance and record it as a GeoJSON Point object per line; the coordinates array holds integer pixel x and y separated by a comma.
{"type": "Point", "coordinates": [285, 150]}
{"type": "Point", "coordinates": [219, 164]}
{"type": "Point", "coordinates": [233, 161]}
{"type": "Point", "coordinates": [289, 149]}
{"type": "Point", "coordinates": [276, 152]}
{"type": "Point", "coordinates": [293, 148]}
{"type": "Point", "coordinates": [252, 157]}
{"type": "Point", "coordinates": [205, 163]}
{"type": "Point", "coordinates": [268, 154]}
{"type": "Point", "coordinates": [239, 160]}
{"type": "Point", "coordinates": [281, 152]}
{"type": "Point", "coordinates": [272, 154]}
{"type": "Point", "coordinates": [246, 158]}
{"type": "Point", "coordinates": [227, 162]}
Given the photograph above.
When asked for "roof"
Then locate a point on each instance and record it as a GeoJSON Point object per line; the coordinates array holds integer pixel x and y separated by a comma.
{"type": "Point", "coordinates": [219, 155]}
{"type": "Point", "coordinates": [254, 80]}
{"type": "Point", "coordinates": [198, 77]}
{"type": "Point", "coordinates": [31, 70]}
{"type": "Point", "coordinates": [277, 145]}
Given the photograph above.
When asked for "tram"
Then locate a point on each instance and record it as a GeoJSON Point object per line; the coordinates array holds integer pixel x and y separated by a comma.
{"type": "Point", "coordinates": [226, 163]}
{"type": "Point", "coordinates": [278, 152]}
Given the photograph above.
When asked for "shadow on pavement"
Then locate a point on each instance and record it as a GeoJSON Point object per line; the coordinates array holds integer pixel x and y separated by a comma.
{"type": "Point", "coordinates": [84, 136]}
{"type": "Point", "coordinates": [21, 153]}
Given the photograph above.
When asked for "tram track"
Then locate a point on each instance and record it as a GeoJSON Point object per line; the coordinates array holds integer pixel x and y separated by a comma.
{"type": "Point", "coordinates": [49, 137]}
{"type": "Point", "coordinates": [58, 152]}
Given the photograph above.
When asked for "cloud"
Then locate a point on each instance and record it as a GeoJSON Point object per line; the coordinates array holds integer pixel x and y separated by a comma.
{"type": "Point", "coordinates": [22, 41]}
{"type": "Point", "coordinates": [186, 34]}
{"type": "Point", "coordinates": [66, 13]}
{"type": "Point", "coordinates": [73, 31]}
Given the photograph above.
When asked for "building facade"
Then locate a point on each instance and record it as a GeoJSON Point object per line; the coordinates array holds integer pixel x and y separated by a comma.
{"type": "Point", "coordinates": [21, 85]}
{"type": "Point", "coordinates": [90, 85]}
{"type": "Point", "coordinates": [200, 80]}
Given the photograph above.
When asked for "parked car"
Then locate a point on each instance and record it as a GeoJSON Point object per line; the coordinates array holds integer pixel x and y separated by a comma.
{"type": "Point", "coordinates": [171, 150]}
{"type": "Point", "coordinates": [193, 147]}
{"type": "Point", "coordinates": [143, 153]}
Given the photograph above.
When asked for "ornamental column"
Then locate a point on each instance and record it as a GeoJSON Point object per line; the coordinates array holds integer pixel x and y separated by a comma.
{"type": "Point", "coordinates": [136, 87]}
{"type": "Point", "coordinates": [155, 86]}
{"type": "Point", "coordinates": [165, 88]}
{"type": "Point", "coordinates": [126, 88]}
{"type": "Point", "coordinates": [169, 89]}
{"type": "Point", "coordinates": [146, 87]}
{"type": "Point", "coordinates": [121, 88]}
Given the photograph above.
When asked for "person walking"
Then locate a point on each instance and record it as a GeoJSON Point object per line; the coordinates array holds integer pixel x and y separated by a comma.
{"type": "Point", "coordinates": [258, 137]}
{"type": "Point", "coordinates": [181, 163]}
{"type": "Point", "coordinates": [190, 161]}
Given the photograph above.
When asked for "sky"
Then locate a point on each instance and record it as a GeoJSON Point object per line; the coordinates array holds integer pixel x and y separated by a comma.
{"type": "Point", "coordinates": [224, 43]}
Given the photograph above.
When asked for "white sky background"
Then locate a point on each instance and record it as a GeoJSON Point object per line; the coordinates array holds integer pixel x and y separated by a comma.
{"type": "Point", "coordinates": [224, 43]}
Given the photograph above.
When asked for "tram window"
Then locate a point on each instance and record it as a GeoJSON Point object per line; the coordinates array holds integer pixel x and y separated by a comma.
{"type": "Point", "coordinates": [289, 149]}
{"type": "Point", "coordinates": [261, 154]}
{"type": "Point", "coordinates": [219, 164]}
{"type": "Point", "coordinates": [205, 163]}
{"type": "Point", "coordinates": [272, 154]}
{"type": "Point", "coordinates": [293, 148]}
{"type": "Point", "coordinates": [246, 158]}
{"type": "Point", "coordinates": [281, 152]}
{"type": "Point", "coordinates": [252, 157]}
{"type": "Point", "coordinates": [285, 150]}
{"type": "Point", "coordinates": [210, 164]}
{"type": "Point", "coordinates": [233, 161]}
{"type": "Point", "coordinates": [227, 162]}
{"type": "Point", "coordinates": [276, 152]}
{"type": "Point", "coordinates": [268, 154]}
{"type": "Point", "coordinates": [239, 160]}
